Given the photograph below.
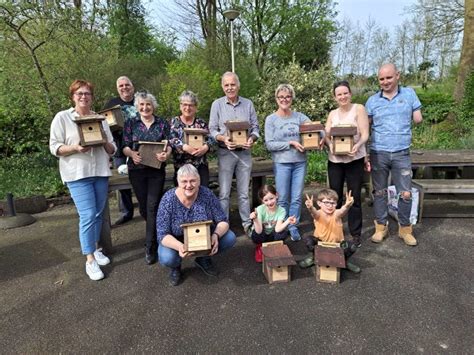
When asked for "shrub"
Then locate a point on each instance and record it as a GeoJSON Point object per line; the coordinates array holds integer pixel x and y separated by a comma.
{"type": "Point", "coordinates": [29, 175]}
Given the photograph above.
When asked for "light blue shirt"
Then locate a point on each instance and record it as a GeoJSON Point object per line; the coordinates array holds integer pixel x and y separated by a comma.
{"type": "Point", "coordinates": [279, 131]}
{"type": "Point", "coordinates": [222, 111]}
{"type": "Point", "coordinates": [391, 119]}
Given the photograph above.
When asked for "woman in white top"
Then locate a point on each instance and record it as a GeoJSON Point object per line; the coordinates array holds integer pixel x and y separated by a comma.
{"type": "Point", "coordinates": [348, 168]}
{"type": "Point", "coordinates": [85, 171]}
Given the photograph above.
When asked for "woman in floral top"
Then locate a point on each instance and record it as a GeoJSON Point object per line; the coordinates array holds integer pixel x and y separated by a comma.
{"type": "Point", "coordinates": [147, 182]}
{"type": "Point", "coordinates": [182, 152]}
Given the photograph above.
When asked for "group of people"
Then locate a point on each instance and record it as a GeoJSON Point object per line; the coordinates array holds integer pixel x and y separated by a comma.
{"type": "Point", "coordinates": [85, 169]}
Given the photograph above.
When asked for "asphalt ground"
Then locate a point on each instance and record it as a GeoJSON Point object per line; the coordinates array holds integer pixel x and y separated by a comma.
{"type": "Point", "coordinates": [406, 300]}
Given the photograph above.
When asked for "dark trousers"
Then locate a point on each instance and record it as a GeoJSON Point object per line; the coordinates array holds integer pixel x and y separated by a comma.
{"type": "Point", "coordinates": [263, 237]}
{"type": "Point", "coordinates": [353, 174]}
{"type": "Point", "coordinates": [148, 184]}
{"type": "Point", "coordinates": [125, 200]}
{"type": "Point", "coordinates": [348, 246]}
{"type": "Point", "coordinates": [203, 171]}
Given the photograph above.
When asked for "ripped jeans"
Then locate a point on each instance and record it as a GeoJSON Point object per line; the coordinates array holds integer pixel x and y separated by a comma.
{"type": "Point", "coordinates": [398, 165]}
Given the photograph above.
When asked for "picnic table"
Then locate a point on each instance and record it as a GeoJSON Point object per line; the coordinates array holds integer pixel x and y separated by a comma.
{"type": "Point", "coordinates": [452, 160]}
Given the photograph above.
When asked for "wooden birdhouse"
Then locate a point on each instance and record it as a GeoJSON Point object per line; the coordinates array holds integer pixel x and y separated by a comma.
{"type": "Point", "coordinates": [195, 137]}
{"type": "Point", "coordinates": [277, 260]}
{"type": "Point", "coordinates": [238, 132]}
{"type": "Point", "coordinates": [148, 151]}
{"type": "Point", "coordinates": [310, 134]}
{"type": "Point", "coordinates": [114, 117]}
{"type": "Point", "coordinates": [329, 258]}
{"type": "Point", "coordinates": [197, 237]}
{"type": "Point", "coordinates": [91, 132]}
{"type": "Point", "coordinates": [342, 139]}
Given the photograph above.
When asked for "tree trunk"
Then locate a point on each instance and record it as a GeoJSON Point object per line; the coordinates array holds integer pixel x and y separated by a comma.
{"type": "Point", "coordinates": [466, 63]}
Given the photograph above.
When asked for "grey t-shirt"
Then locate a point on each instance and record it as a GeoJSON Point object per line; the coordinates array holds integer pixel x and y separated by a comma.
{"type": "Point", "coordinates": [279, 131]}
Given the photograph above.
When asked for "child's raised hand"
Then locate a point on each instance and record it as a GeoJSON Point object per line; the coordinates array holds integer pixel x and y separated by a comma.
{"type": "Point", "coordinates": [292, 219]}
{"type": "Point", "coordinates": [349, 198]}
{"type": "Point", "coordinates": [309, 201]}
{"type": "Point", "coordinates": [253, 215]}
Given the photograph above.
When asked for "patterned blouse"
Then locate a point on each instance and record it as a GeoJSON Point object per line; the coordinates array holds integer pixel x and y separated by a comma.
{"type": "Point", "coordinates": [172, 213]}
{"type": "Point", "coordinates": [135, 130]}
{"type": "Point", "coordinates": [177, 140]}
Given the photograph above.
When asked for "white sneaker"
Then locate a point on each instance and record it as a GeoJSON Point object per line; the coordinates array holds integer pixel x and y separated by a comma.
{"type": "Point", "coordinates": [101, 258]}
{"type": "Point", "coordinates": [93, 271]}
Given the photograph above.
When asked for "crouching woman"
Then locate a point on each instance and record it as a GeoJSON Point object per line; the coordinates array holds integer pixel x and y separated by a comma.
{"type": "Point", "coordinates": [189, 203]}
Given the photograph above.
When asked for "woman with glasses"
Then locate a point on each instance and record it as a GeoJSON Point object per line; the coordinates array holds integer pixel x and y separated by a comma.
{"type": "Point", "coordinates": [188, 203]}
{"type": "Point", "coordinates": [184, 153]}
{"type": "Point", "coordinates": [348, 168]}
{"type": "Point", "coordinates": [282, 139]}
{"type": "Point", "coordinates": [147, 181]}
{"type": "Point", "coordinates": [85, 171]}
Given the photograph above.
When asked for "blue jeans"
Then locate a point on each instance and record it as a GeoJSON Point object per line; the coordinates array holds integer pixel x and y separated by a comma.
{"type": "Point", "coordinates": [289, 181]}
{"type": "Point", "coordinates": [398, 165]}
{"type": "Point", "coordinates": [170, 257]}
{"type": "Point", "coordinates": [89, 196]}
{"type": "Point", "coordinates": [240, 162]}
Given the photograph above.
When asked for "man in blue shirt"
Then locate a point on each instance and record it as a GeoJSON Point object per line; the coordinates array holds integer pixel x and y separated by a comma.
{"type": "Point", "coordinates": [391, 111]}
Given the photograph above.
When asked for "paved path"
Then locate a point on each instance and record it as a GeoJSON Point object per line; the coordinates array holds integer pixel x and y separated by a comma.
{"type": "Point", "coordinates": [406, 300]}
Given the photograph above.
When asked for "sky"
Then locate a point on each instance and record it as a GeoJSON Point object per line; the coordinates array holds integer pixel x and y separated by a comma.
{"type": "Point", "coordinates": [387, 13]}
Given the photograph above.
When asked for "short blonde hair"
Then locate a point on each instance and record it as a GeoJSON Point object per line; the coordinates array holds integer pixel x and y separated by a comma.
{"type": "Point", "coordinates": [327, 193]}
{"type": "Point", "coordinates": [285, 87]}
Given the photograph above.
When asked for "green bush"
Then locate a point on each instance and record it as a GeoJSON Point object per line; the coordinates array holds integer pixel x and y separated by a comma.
{"type": "Point", "coordinates": [31, 174]}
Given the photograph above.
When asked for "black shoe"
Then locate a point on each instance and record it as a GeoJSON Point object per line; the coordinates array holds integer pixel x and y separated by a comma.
{"type": "Point", "coordinates": [205, 264]}
{"type": "Point", "coordinates": [122, 220]}
{"type": "Point", "coordinates": [150, 255]}
{"type": "Point", "coordinates": [175, 276]}
{"type": "Point", "coordinates": [357, 242]}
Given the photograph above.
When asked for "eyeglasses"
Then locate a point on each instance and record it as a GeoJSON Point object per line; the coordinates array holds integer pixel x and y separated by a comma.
{"type": "Point", "coordinates": [187, 105]}
{"type": "Point", "coordinates": [287, 98]}
{"type": "Point", "coordinates": [79, 94]}
{"type": "Point", "coordinates": [329, 203]}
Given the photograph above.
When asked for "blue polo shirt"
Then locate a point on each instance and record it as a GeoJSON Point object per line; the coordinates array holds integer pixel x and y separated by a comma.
{"type": "Point", "coordinates": [391, 119]}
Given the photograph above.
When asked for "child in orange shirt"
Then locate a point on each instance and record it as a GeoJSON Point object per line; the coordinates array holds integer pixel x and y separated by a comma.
{"type": "Point", "coordinates": [328, 224]}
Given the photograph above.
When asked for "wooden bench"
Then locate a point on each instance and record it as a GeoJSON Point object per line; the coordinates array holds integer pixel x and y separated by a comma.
{"type": "Point", "coordinates": [441, 186]}
{"type": "Point", "coordinates": [261, 168]}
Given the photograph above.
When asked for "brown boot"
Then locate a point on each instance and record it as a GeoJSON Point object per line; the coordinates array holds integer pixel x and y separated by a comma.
{"type": "Point", "coordinates": [406, 233]}
{"type": "Point", "coordinates": [381, 231]}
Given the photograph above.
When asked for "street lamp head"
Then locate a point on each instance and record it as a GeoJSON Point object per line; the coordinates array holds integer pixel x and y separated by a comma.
{"type": "Point", "coordinates": [231, 15]}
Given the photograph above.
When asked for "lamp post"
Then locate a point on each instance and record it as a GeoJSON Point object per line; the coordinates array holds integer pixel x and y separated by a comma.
{"type": "Point", "coordinates": [231, 15]}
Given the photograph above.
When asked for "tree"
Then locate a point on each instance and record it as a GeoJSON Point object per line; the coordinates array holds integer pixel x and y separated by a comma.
{"type": "Point", "coordinates": [466, 63]}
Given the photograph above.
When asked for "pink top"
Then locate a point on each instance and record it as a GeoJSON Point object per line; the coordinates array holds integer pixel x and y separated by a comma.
{"type": "Point", "coordinates": [349, 119]}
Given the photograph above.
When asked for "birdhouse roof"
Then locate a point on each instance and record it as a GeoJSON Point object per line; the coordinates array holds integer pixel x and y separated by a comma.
{"type": "Point", "coordinates": [278, 255]}
{"type": "Point", "coordinates": [163, 142]}
{"type": "Point", "coordinates": [200, 131]}
{"type": "Point", "coordinates": [237, 125]}
{"type": "Point", "coordinates": [343, 131]}
{"type": "Point", "coordinates": [89, 118]}
{"type": "Point", "coordinates": [116, 107]}
{"type": "Point", "coordinates": [186, 225]}
{"type": "Point", "coordinates": [328, 256]}
{"type": "Point", "coordinates": [311, 127]}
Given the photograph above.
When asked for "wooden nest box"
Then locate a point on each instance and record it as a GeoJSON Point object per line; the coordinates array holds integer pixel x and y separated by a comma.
{"type": "Point", "coordinates": [342, 139]}
{"type": "Point", "coordinates": [195, 137]}
{"type": "Point", "coordinates": [238, 131]}
{"type": "Point", "coordinates": [197, 237]}
{"type": "Point", "coordinates": [310, 134]}
{"type": "Point", "coordinates": [277, 260]}
{"type": "Point", "coordinates": [114, 117]}
{"type": "Point", "coordinates": [329, 259]}
{"type": "Point", "coordinates": [148, 151]}
{"type": "Point", "coordinates": [91, 132]}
